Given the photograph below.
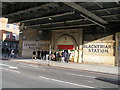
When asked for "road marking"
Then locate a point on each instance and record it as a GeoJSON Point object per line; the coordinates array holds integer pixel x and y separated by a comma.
{"type": "Point", "coordinates": [80, 75]}
{"type": "Point", "coordinates": [29, 65]}
{"type": "Point", "coordinates": [11, 70]}
{"type": "Point", "coordinates": [88, 81]}
{"type": "Point", "coordinates": [15, 71]}
{"type": "Point", "coordinates": [4, 65]}
{"type": "Point", "coordinates": [11, 67]}
{"type": "Point", "coordinates": [66, 82]}
{"type": "Point", "coordinates": [33, 65]}
{"type": "Point", "coordinates": [24, 65]}
{"type": "Point", "coordinates": [5, 69]}
{"type": "Point", "coordinates": [101, 73]}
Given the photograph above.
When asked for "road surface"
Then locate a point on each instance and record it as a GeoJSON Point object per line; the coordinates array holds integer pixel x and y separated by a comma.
{"type": "Point", "coordinates": [22, 75]}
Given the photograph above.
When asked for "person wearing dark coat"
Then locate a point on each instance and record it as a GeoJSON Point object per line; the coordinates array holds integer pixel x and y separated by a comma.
{"type": "Point", "coordinates": [42, 54]}
{"type": "Point", "coordinates": [6, 52]}
{"type": "Point", "coordinates": [34, 54]}
{"type": "Point", "coordinates": [38, 54]}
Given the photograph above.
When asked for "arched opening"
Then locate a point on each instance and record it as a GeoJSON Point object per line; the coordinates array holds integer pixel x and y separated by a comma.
{"type": "Point", "coordinates": [67, 43]}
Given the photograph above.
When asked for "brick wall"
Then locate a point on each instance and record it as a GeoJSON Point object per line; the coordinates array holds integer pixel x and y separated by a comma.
{"type": "Point", "coordinates": [33, 35]}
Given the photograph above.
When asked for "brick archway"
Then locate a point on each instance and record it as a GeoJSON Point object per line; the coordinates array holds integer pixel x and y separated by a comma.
{"type": "Point", "coordinates": [66, 41]}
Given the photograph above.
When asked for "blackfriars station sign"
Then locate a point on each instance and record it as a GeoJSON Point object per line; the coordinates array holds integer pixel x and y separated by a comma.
{"type": "Point", "coordinates": [105, 48]}
{"type": "Point", "coordinates": [98, 48]}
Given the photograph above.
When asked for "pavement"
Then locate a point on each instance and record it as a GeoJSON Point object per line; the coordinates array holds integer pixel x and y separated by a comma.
{"type": "Point", "coordinates": [88, 67]}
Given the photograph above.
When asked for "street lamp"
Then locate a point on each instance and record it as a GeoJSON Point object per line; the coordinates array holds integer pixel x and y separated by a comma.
{"type": "Point", "coordinates": [50, 46]}
{"type": "Point", "coordinates": [21, 27]}
{"type": "Point", "coordinates": [49, 61]}
{"type": "Point", "coordinates": [40, 31]}
{"type": "Point", "coordinates": [50, 18]}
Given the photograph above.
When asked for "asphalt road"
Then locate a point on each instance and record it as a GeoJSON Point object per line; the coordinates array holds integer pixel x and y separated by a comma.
{"type": "Point", "coordinates": [21, 75]}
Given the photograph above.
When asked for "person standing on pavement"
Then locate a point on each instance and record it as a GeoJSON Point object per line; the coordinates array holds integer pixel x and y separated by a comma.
{"type": "Point", "coordinates": [12, 53]}
{"type": "Point", "coordinates": [38, 54]}
{"type": "Point", "coordinates": [47, 55]}
{"type": "Point", "coordinates": [9, 52]}
{"type": "Point", "coordinates": [34, 55]}
{"type": "Point", "coordinates": [3, 50]}
{"type": "Point", "coordinates": [66, 56]}
{"type": "Point", "coordinates": [52, 56]}
{"type": "Point", "coordinates": [59, 55]}
{"type": "Point", "coordinates": [42, 55]}
{"type": "Point", "coordinates": [55, 54]}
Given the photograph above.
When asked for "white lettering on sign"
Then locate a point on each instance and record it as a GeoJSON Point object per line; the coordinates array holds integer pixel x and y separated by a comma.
{"type": "Point", "coordinates": [36, 45]}
{"type": "Point", "coordinates": [101, 48]}
{"type": "Point", "coordinates": [29, 46]}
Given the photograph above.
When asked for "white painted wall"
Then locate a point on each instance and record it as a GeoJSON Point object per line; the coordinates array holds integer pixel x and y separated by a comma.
{"type": "Point", "coordinates": [29, 46]}
{"type": "Point", "coordinates": [102, 54]}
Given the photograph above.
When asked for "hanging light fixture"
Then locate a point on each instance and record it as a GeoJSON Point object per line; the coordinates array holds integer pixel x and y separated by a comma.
{"type": "Point", "coordinates": [50, 18]}
{"type": "Point", "coordinates": [40, 31]}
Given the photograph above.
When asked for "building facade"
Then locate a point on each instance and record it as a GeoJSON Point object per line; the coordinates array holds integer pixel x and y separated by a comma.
{"type": "Point", "coordinates": [86, 45]}
{"type": "Point", "coordinates": [87, 48]}
{"type": "Point", "coordinates": [9, 35]}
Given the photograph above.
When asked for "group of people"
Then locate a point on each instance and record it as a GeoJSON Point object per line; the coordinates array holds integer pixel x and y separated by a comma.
{"type": "Point", "coordinates": [40, 54]}
{"type": "Point", "coordinates": [62, 56]}
{"type": "Point", "coordinates": [9, 52]}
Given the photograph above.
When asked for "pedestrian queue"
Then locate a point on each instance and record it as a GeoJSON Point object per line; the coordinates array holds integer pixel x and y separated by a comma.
{"type": "Point", "coordinates": [61, 56]}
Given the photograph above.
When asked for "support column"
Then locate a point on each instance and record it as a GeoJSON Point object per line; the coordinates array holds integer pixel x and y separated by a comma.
{"type": "Point", "coordinates": [20, 43]}
{"type": "Point", "coordinates": [117, 49]}
{"type": "Point", "coordinates": [80, 54]}
{"type": "Point", "coordinates": [76, 56]}
{"type": "Point", "coordinates": [80, 58]}
{"type": "Point", "coordinates": [1, 49]}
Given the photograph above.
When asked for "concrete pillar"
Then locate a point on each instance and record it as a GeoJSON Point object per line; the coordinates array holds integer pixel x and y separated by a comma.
{"type": "Point", "coordinates": [76, 56]}
{"type": "Point", "coordinates": [20, 44]}
{"type": "Point", "coordinates": [117, 49]}
{"type": "Point", "coordinates": [80, 58]}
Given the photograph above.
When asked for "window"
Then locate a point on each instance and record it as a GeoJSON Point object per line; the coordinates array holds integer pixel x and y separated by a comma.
{"type": "Point", "coordinates": [14, 36]}
{"type": "Point", "coordinates": [7, 34]}
{"type": "Point", "coordinates": [14, 26]}
{"type": "Point", "coordinates": [8, 26]}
